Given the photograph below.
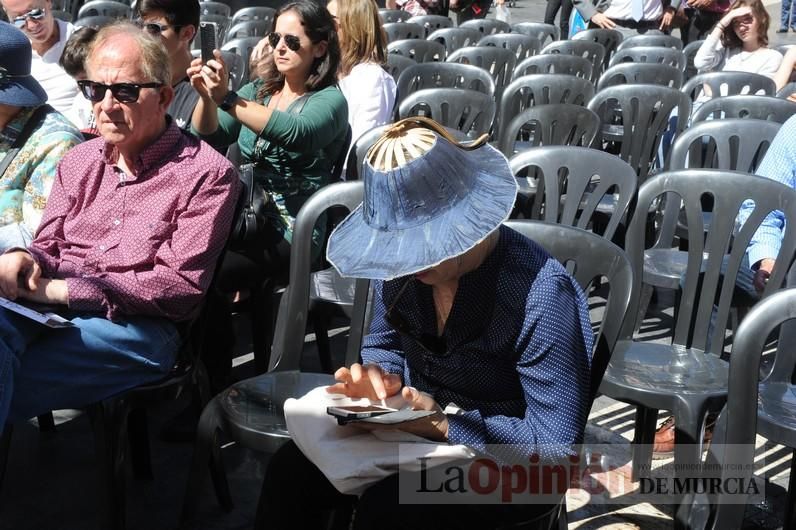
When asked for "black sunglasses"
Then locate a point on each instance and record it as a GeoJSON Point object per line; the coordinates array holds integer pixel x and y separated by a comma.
{"type": "Point", "coordinates": [154, 28]}
{"type": "Point", "coordinates": [291, 41]}
{"type": "Point", "coordinates": [431, 344]}
{"type": "Point", "coordinates": [33, 14]}
{"type": "Point", "coordinates": [123, 92]}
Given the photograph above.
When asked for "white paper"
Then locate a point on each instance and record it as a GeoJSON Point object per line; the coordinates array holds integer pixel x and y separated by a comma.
{"type": "Point", "coordinates": [48, 319]}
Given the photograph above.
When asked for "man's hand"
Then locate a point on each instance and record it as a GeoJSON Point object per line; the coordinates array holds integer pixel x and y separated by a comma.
{"type": "Point", "coordinates": [762, 274]}
{"type": "Point", "coordinates": [666, 19]}
{"type": "Point", "coordinates": [368, 381]}
{"type": "Point", "coordinates": [433, 427]}
{"type": "Point", "coordinates": [602, 21]}
{"type": "Point", "coordinates": [47, 292]}
{"type": "Point", "coordinates": [18, 272]}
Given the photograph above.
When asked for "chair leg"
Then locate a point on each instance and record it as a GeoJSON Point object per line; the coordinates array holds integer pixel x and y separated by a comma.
{"type": "Point", "coordinates": [643, 438]}
{"type": "Point", "coordinates": [262, 314]}
{"type": "Point", "coordinates": [109, 423]}
{"type": "Point", "coordinates": [46, 422]}
{"type": "Point", "coordinates": [138, 436]}
{"type": "Point", "coordinates": [206, 450]}
{"type": "Point", "coordinates": [687, 455]}
{"type": "Point", "coordinates": [5, 448]}
{"type": "Point", "coordinates": [320, 325]}
{"type": "Point", "coordinates": [790, 507]}
{"type": "Point", "coordinates": [643, 304]}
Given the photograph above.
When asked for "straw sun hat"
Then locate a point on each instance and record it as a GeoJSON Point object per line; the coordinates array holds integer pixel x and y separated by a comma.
{"type": "Point", "coordinates": [428, 198]}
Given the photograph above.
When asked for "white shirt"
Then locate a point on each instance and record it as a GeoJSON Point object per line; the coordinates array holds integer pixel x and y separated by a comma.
{"type": "Point", "coordinates": [713, 56]}
{"type": "Point", "coordinates": [622, 10]}
{"type": "Point", "coordinates": [370, 93]}
{"type": "Point", "coordinates": [60, 87]}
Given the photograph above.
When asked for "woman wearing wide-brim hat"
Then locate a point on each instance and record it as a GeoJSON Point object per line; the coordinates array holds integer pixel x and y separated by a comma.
{"type": "Point", "coordinates": [466, 312]}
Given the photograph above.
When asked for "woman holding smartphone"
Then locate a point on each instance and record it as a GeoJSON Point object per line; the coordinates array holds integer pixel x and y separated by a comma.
{"type": "Point", "coordinates": [290, 122]}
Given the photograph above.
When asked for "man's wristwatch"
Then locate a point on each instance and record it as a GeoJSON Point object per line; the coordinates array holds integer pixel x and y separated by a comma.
{"type": "Point", "coordinates": [229, 100]}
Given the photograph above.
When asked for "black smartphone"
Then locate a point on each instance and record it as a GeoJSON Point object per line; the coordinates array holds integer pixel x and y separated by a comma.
{"type": "Point", "coordinates": [207, 34]}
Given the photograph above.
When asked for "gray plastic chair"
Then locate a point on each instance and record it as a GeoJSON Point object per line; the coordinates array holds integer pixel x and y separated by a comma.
{"type": "Point", "coordinates": [641, 74]}
{"type": "Point", "coordinates": [248, 28]}
{"type": "Point", "coordinates": [455, 38]}
{"type": "Point", "coordinates": [443, 75]}
{"type": "Point", "coordinates": [431, 23]}
{"type": "Point", "coordinates": [263, 13]}
{"type": "Point", "coordinates": [214, 8]}
{"type": "Point", "coordinates": [62, 15]}
{"type": "Point", "coordinates": [93, 22]}
{"type": "Point", "coordinates": [662, 41]}
{"type": "Point", "coordinates": [593, 51]}
{"type": "Point", "coordinates": [104, 8]}
{"type": "Point", "coordinates": [649, 54]}
{"type": "Point", "coordinates": [554, 63]}
{"type": "Point", "coordinates": [594, 258]}
{"type": "Point", "coordinates": [242, 47]}
{"type": "Point", "coordinates": [420, 50]}
{"type": "Point", "coordinates": [783, 48]}
{"type": "Point", "coordinates": [787, 91]}
{"type": "Point", "coordinates": [487, 26]}
{"type": "Point", "coordinates": [538, 30]}
{"type": "Point", "coordinates": [523, 46]}
{"type": "Point", "coordinates": [499, 62]}
{"type": "Point", "coordinates": [403, 30]}
{"type": "Point", "coordinates": [553, 124]}
{"type": "Point", "coordinates": [690, 52]}
{"type": "Point", "coordinates": [572, 185]}
{"type": "Point", "coordinates": [688, 377]}
{"type": "Point", "coordinates": [250, 411]}
{"type": "Point", "coordinates": [637, 120]}
{"type": "Point", "coordinates": [67, 6]}
{"type": "Point", "coordinates": [728, 84]}
{"type": "Point", "coordinates": [609, 38]}
{"type": "Point", "coordinates": [394, 15]}
{"type": "Point", "coordinates": [541, 89]}
{"type": "Point", "coordinates": [754, 407]}
{"type": "Point", "coordinates": [469, 111]}
{"type": "Point", "coordinates": [746, 106]}
{"type": "Point", "coordinates": [396, 64]}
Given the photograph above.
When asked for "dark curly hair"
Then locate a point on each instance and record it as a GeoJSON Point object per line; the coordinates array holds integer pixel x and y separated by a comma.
{"type": "Point", "coordinates": [319, 26]}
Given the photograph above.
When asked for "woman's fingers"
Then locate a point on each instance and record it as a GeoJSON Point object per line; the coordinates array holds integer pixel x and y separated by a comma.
{"type": "Point", "coordinates": [376, 381]}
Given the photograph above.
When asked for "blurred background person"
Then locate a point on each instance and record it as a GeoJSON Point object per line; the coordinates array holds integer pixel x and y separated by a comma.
{"type": "Point", "coordinates": [73, 61]}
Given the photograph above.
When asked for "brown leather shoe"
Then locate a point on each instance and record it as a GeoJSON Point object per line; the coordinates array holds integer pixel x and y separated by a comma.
{"type": "Point", "coordinates": [664, 440]}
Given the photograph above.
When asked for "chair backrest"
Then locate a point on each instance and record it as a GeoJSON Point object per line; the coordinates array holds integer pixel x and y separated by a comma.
{"type": "Point", "coordinates": [291, 322]}
{"type": "Point", "coordinates": [420, 50]}
{"type": "Point", "coordinates": [783, 48]}
{"type": "Point", "coordinates": [593, 51]}
{"type": "Point", "coordinates": [68, 6]}
{"type": "Point", "coordinates": [62, 15]}
{"type": "Point", "coordinates": [444, 75]}
{"type": "Point", "coordinates": [359, 150]}
{"type": "Point", "coordinates": [661, 41]}
{"type": "Point", "coordinates": [706, 281]}
{"type": "Point", "coordinates": [242, 47]}
{"type": "Point", "coordinates": [499, 62]}
{"type": "Point", "coordinates": [735, 144]}
{"type": "Point", "coordinates": [746, 106]}
{"type": "Point", "coordinates": [214, 8]}
{"type": "Point", "coordinates": [541, 89]}
{"type": "Point", "coordinates": [105, 8]}
{"type": "Point", "coordinates": [523, 46]}
{"type": "Point", "coordinates": [553, 124]}
{"type": "Point", "coordinates": [593, 257]}
{"type": "Point", "coordinates": [538, 30]}
{"type": "Point", "coordinates": [455, 38]}
{"type": "Point", "coordinates": [394, 15]}
{"type": "Point", "coordinates": [611, 39]}
{"type": "Point", "coordinates": [650, 54]}
{"type": "Point", "coordinates": [396, 64]}
{"type": "Point", "coordinates": [248, 28]}
{"type": "Point", "coordinates": [403, 30]}
{"type": "Point", "coordinates": [641, 74]}
{"type": "Point", "coordinates": [431, 23]}
{"type": "Point", "coordinates": [787, 91]}
{"type": "Point", "coordinates": [554, 63]}
{"type": "Point", "coordinates": [487, 26]}
{"type": "Point", "coordinates": [469, 111]}
{"type": "Point", "coordinates": [93, 22]}
{"type": "Point", "coordinates": [263, 13]}
{"type": "Point", "coordinates": [590, 179]}
{"type": "Point", "coordinates": [716, 84]}
{"type": "Point", "coordinates": [644, 117]}
{"type": "Point", "coordinates": [690, 52]}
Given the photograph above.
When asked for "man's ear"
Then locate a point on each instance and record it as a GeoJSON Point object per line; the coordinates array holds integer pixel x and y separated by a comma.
{"type": "Point", "coordinates": [319, 49]}
{"type": "Point", "coordinates": [166, 96]}
{"type": "Point", "coordinates": [187, 33]}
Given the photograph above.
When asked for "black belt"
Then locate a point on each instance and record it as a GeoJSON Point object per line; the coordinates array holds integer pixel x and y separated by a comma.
{"type": "Point", "coordinates": [637, 24]}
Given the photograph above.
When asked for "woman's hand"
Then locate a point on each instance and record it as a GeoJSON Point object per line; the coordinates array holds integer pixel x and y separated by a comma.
{"type": "Point", "coordinates": [260, 50]}
{"type": "Point", "coordinates": [731, 15]}
{"type": "Point", "coordinates": [433, 427]}
{"type": "Point", "coordinates": [211, 79]}
{"type": "Point", "coordinates": [368, 381]}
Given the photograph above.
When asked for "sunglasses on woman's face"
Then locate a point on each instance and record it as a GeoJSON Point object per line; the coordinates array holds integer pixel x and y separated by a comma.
{"type": "Point", "coordinates": [291, 41]}
{"type": "Point", "coordinates": [123, 92]}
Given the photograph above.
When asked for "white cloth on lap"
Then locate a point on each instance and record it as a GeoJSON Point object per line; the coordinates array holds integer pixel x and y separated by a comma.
{"type": "Point", "coordinates": [353, 459]}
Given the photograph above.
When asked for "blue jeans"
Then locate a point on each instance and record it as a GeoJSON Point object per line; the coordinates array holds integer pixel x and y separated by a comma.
{"type": "Point", "coordinates": [784, 14]}
{"type": "Point", "coordinates": [43, 369]}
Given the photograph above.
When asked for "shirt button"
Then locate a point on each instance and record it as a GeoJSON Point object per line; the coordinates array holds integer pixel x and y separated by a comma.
{"type": "Point", "coordinates": [102, 247]}
{"type": "Point", "coordinates": [116, 222]}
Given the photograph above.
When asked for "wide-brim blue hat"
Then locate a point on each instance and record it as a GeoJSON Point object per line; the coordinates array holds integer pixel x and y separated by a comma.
{"type": "Point", "coordinates": [17, 87]}
{"type": "Point", "coordinates": [435, 201]}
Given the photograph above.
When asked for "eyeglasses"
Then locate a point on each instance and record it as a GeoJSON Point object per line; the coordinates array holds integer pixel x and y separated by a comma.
{"type": "Point", "coordinates": [123, 92]}
{"type": "Point", "coordinates": [34, 14]}
{"type": "Point", "coordinates": [431, 344]}
{"type": "Point", "coordinates": [154, 28]}
{"type": "Point", "coordinates": [291, 41]}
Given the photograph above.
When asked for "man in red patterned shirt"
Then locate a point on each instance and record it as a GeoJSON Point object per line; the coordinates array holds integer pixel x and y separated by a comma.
{"type": "Point", "coordinates": [134, 224]}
